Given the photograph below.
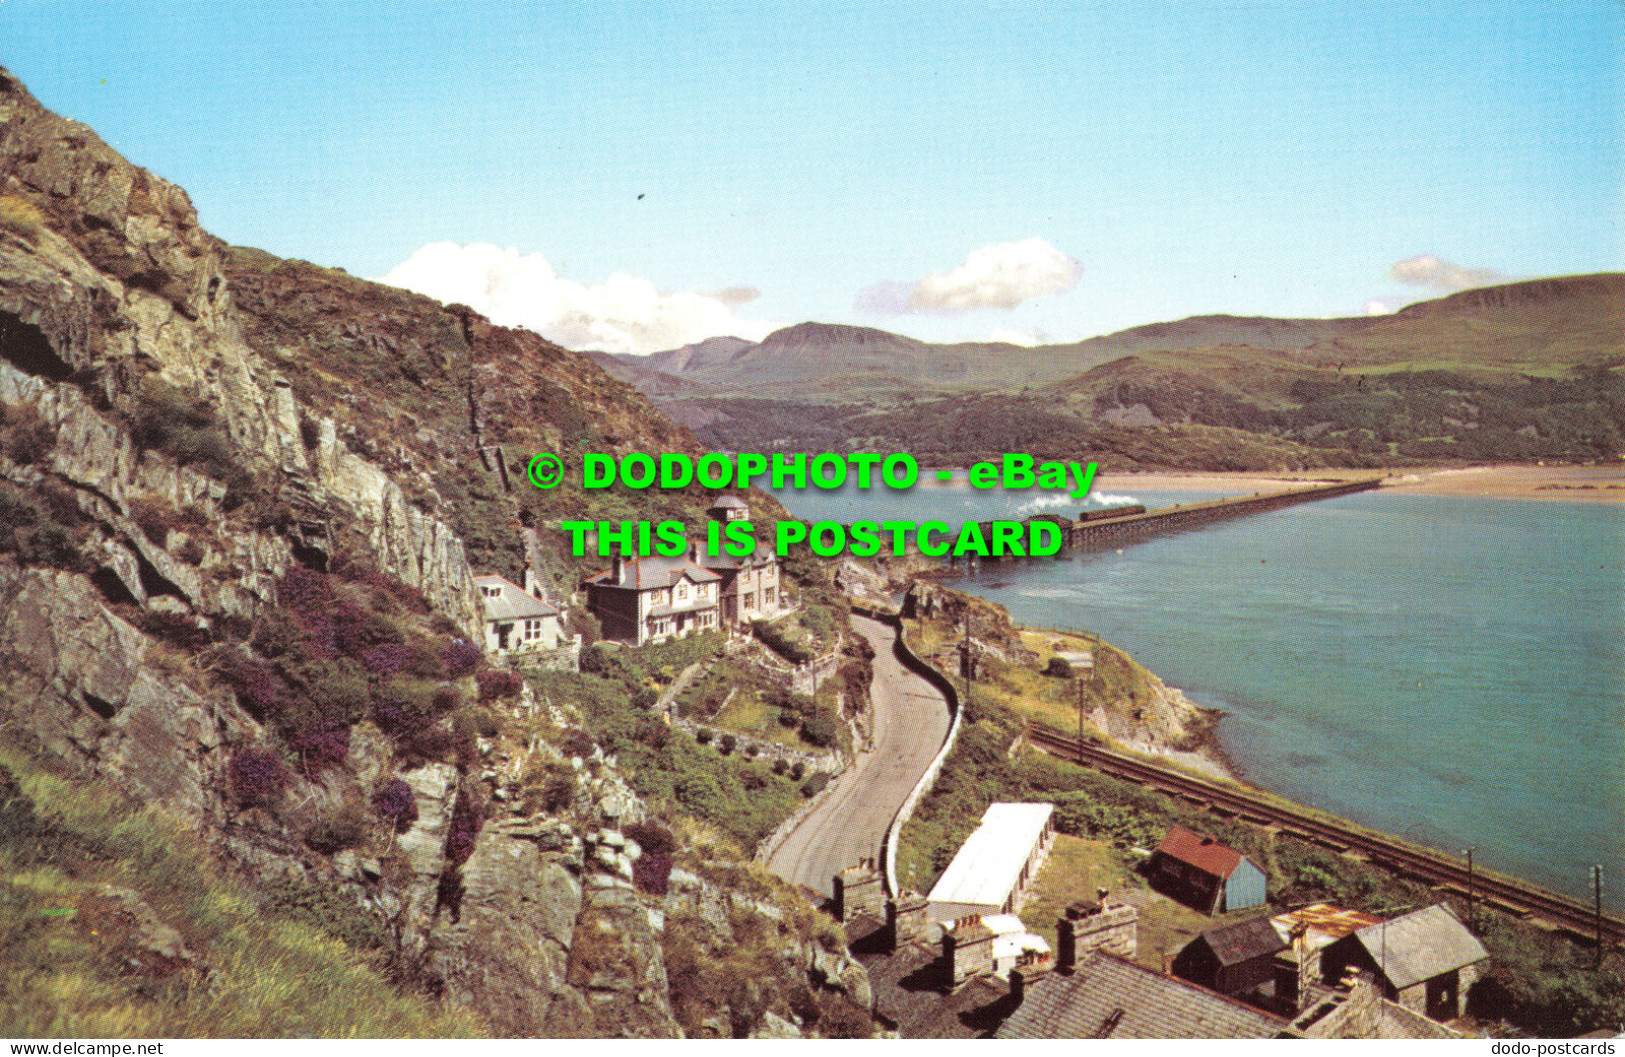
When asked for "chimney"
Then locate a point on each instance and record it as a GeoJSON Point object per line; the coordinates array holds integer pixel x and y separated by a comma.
{"type": "Point", "coordinates": [1108, 926]}
{"type": "Point", "coordinates": [1031, 967]}
{"type": "Point", "coordinates": [694, 552]}
{"type": "Point", "coordinates": [618, 569]}
{"type": "Point", "coordinates": [967, 948]}
{"type": "Point", "coordinates": [907, 918]}
{"type": "Point", "coordinates": [858, 890]}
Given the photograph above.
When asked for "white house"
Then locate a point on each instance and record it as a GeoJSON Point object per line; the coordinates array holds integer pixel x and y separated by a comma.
{"type": "Point", "coordinates": [517, 622]}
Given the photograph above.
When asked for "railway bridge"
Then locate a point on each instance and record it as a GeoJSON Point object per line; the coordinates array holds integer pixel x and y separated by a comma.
{"type": "Point", "coordinates": [1099, 531]}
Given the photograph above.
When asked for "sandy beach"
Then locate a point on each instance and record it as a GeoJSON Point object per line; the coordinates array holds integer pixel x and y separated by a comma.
{"type": "Point", "coordinates": [1566, 483]}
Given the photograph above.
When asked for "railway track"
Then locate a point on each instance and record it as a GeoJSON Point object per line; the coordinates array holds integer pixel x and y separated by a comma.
{"type": "Point", "coordinates": [1517, 898]}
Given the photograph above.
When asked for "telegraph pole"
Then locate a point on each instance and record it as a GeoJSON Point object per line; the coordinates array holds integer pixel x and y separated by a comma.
{"type": "Point", "coordinates": [1472, 911]}
{"type": "Point", "coordinates": [1078, 681]}
{"type": "Point", "coordinates": [970, 663]}
{"type": "Point", "coordinates": [1596, 884]}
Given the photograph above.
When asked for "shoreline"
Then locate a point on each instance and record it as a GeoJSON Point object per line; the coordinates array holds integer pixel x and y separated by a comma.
{"type": "Point", "coordinates": [1589, 484]}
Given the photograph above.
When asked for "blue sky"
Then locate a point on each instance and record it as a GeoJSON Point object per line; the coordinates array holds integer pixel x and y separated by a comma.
{"type": "Point", "coordinates": [1116, 163]}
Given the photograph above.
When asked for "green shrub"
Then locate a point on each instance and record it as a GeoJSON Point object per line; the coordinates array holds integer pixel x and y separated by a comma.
{"type": "Point", "coordinates": [345, 828]}
{"type": "Point", "coordinates": [815, 785]}
{"type": "Point", "coordinates": [822, 729]}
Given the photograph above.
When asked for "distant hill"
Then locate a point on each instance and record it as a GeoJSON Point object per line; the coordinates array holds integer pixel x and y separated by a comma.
{"type": "Point", "coordinates": [1518, 371]}
{"type": "Point", "coordinates": [844, 363]}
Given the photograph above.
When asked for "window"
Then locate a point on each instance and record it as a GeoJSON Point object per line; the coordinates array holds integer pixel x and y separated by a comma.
{"type": "Point", "coordinates": [682, 591]}
{"type": "Point", "coordinates": [767, 596]}
{"type": "Point", "coordinates": [533, 631]}
{"type": "Point", "coordinates": [749, 601]}
{"type": "Point", "coordinates": [491, 592]}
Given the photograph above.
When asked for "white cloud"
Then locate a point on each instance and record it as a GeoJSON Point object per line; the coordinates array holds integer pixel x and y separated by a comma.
{"type": "Point", "coordinates": [1000, 275]}
{"type": "Point", "coordinates": [1018, 337]}
{"type": "Point", "coordinates": [621, 314]}
{"type": "Point", "coordinates": [1375, 307]}
{"type": "Point", "coordinates": [1429, 271]}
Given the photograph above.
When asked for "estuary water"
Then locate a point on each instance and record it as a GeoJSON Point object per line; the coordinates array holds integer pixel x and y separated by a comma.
{"type": "Point", "coordinates": [1449, 669]}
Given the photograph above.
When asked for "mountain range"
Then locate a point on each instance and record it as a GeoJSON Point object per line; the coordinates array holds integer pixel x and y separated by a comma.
{"type": "Point", "coordinates": [1523, 370]}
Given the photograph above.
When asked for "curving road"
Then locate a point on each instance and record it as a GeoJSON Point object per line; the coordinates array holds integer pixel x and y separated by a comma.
{"type": "Point", "coordinates": [910, 721]}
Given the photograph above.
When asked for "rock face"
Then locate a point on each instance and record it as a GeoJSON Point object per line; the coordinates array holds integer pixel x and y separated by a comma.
{"type": "Point", "coordinates": [106, 280]}
{"type": "Point", "coordinates": [82, 684]}
{"type": "Point", "coordinates": [202, 420]}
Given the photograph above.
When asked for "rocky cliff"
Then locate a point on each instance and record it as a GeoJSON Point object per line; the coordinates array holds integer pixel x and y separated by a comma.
{"type": "Point", "coordinates": [238, 502]}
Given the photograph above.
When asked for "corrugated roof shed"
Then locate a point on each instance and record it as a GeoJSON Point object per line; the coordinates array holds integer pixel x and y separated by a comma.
{"type": "Point", "coordinates": [1325, 923]}
{"type": "Point", "coordinates": [1206, 853]}
{"type": "Point", "coordinates": [1420, 945]}
{"type": "Point", "coordinates": [511, 601]}
{"type": "Point", "coordinates": [1109, 997]}
{"type": "Point", "coordinates": [990, 861]}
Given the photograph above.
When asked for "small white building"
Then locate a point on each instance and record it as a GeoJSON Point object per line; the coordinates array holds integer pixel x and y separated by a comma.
{"type": "Point", "coordinates": [996, 864]}
{"type": "Point", "coordinates": [1010, 941]}
{"type": "Point", "coordinates": [516, 621]}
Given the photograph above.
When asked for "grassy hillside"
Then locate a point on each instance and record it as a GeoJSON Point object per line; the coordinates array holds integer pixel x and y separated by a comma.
{"type": "Point", "coordinates": [116, 924]}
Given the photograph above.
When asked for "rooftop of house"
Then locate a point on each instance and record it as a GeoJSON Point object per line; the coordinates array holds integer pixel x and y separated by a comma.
{"type": "Point", "coordinates": [990, 861]}
{"type": "Point", "coordinates": [730, 502]}
{"type": "Point", "coordinates": [1111, 997]}
{"type": "Point", "coordinates": [1206, 853]}
{"type": "Point", "coordinates": [1243, 941]}
{"type": "Point", "coordinates": [510, 601]}
{"type": "Point", "coordinates": [1420, 945]}
{"type": "Point", "coordinates": [907, 988]}
{"type": "Point", "coordinates": [653, 573]}
{"type": "Point", "coordinates": [762, 555]}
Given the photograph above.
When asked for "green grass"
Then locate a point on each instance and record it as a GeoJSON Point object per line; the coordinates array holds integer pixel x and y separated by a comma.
{"type": "Point", "coordinates": [67, 968]}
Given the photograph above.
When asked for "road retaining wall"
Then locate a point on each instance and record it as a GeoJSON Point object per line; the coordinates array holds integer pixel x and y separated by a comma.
{"type": "Point", "coordinates": [916, 664]}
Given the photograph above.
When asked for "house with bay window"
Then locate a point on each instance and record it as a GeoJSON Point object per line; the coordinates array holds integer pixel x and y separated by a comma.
{"type": "Point", "coordinates": [639, 600]}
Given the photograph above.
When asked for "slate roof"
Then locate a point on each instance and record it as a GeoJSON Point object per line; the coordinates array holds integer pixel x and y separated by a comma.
{"type": "Point", "coordinates": [730, 502]}
{"type": "Point", "coordinates": [907, 987]}
{"type": "Point", "coordinates": [1110, 997]}
{"type": "Point", "coordinates": [1244, 941]}
{"type": "Point", "coordinates": [762, 555]}
{"type": "Point", "coordinates": [513, 603]}
{"type": "Point", "coordinates": [655, 571]}
{"type": "Point", "coordinates": [1205, 853]}
{"type": "Point", "coordinates": [1420, 945]}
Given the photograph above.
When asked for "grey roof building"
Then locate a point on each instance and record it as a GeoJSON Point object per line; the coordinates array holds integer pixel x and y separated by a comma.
{"type": "Point", "coordinates": [1107, 997]}
{"type": "Point", "coordinates": [1236, 959]}
{"type": "Point", "coordinates": [517, 621]}
{"type": "Point", "coordinates": [1425, 960]}
{"type": "Point", "coordinates": [644, 599]}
